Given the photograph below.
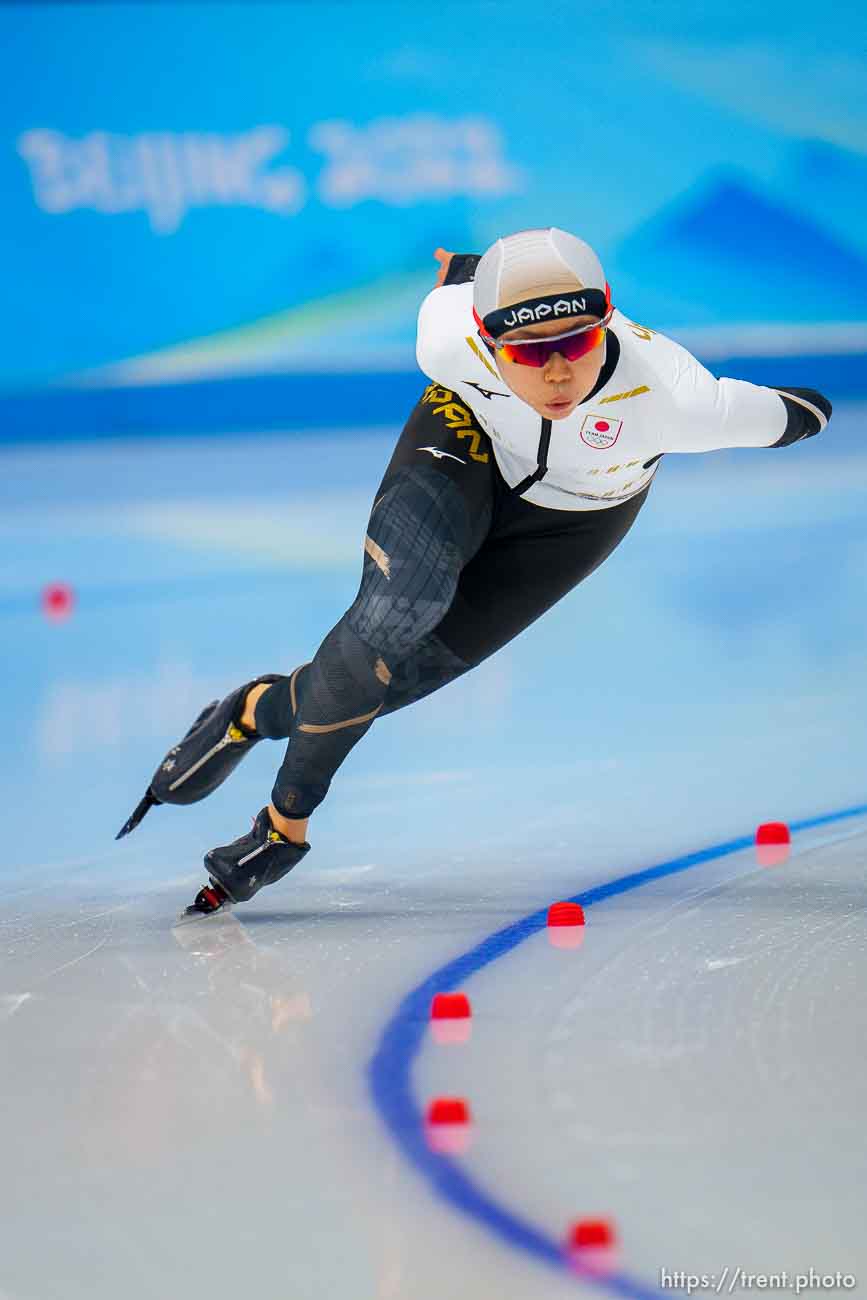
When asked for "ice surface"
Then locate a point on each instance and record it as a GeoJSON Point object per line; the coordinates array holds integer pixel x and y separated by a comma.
{"type": "Point", "coordinates": [188, 1111]}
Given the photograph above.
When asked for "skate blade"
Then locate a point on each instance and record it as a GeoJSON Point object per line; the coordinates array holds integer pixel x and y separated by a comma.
{"type": "Point", "coordinates": [195, 914]}
{"type": "Point", "coordinates": [217, 893]}
{"type": "Point", "coordinates": [144, 806]}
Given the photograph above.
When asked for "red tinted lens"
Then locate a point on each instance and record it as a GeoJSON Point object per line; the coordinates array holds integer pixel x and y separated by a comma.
{"type": "Point", "coordinates": [580, 344]}
{"type": "Point", "coordinates": [528, 354]}
{"type": "Point", "coordinates": [573, 347]}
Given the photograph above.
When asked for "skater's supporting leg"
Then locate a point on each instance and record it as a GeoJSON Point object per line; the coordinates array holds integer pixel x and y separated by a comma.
{"type": "Point", "coordinates": [526, 565]}
{"type": "Point", "coordinates": [391, 649]}
{"type": "Point", "coordinates": [529, 561]}
{"type": "Point", "coordinates": [420, 536]}
{"type": "Point", "coordinates": [425, 613]}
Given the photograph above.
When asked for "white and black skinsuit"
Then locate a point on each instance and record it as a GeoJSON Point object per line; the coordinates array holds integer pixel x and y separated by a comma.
{"type": "Point", "coordinates": [488, 514]}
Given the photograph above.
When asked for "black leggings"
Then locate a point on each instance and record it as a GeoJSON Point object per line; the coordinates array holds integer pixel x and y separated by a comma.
{"type": "Point", "coordinates": [455, 566]}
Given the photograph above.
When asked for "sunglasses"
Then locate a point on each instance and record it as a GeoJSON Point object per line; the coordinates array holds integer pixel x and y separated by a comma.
{"type": "Point", "coordinates": [538, 352]}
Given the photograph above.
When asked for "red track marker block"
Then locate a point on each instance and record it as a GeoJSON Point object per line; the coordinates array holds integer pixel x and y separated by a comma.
{"type": "Point", "coordinates": [58, 601]}
{"type": "Point", "coordinates": [447, 1130]}
{"type": "Point", "coordinates": [591, 1232]}
{"type": "Point", "coordinates": [591, 1247]}
{"type": "Point", "coordinates": [450, 1006]}
{"type": "Point", "coordinates": [773, 833]}
{"type": "Point", "coordinates": [450, 1018]}
{"type": "Point", "coordinates": [565, 914]}
{"type": "Point", "coordinates": [448, 1110]}
{"type": "Point", "coordinates": [773, 844]}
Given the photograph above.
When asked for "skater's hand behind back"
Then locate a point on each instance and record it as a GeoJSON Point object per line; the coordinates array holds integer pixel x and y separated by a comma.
{"type": "Point", "coordinates": [444, 259]}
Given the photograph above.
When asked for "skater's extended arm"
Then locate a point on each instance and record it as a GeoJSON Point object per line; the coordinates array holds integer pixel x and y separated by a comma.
{"type": "Point", "coordinates": [708, 414]}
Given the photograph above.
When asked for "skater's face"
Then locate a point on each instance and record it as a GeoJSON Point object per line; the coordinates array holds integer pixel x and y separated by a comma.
{"type": "Point", "coordinates": [555, 389]}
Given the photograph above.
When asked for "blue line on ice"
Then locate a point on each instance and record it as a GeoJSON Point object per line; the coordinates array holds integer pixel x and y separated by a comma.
{"type": "Point", "coordinates": [390, 1067]}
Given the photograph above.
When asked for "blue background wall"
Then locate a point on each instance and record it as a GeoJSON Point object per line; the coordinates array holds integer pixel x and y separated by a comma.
{"type": "Point", "coordinates": [216, 213]}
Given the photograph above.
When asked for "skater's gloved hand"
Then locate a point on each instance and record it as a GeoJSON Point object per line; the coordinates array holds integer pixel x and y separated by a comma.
{"type": "Point", "coordinates": [455, 268]}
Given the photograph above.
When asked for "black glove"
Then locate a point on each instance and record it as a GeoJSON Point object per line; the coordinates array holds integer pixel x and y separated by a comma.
{"type": "Point", "coordinates": [462, 268]}
{"type": "Point", "coordinates": [804, 421]}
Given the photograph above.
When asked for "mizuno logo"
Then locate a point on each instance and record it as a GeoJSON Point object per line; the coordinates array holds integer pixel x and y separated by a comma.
{"type": "Point", "coordinates": [485, 392]}
{"type": "Point", "coordinates": [438, 455]}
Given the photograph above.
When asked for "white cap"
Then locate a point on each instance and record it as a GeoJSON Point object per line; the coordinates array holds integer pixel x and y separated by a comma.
{"type": "Point", "coordinates": [541, 274]}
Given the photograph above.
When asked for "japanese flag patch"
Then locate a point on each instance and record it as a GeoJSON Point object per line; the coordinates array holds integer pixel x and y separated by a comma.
{"type": "Point", "coordinates": [599, 432]}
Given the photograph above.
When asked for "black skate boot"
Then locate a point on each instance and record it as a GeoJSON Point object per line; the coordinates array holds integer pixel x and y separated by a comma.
{"type": "Point", "coordinates": [212, 748]}
{"type": "Point", "coordinates": [259, 858]}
